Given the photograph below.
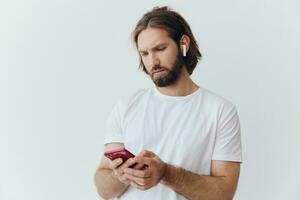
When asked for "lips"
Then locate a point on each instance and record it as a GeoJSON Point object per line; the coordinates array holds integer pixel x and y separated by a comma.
{"type": "Point", "coordinates": [158, 70]}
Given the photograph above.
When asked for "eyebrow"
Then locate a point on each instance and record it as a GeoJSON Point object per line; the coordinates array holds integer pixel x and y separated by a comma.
{"type": "Point", "coordinates": [158, 45]}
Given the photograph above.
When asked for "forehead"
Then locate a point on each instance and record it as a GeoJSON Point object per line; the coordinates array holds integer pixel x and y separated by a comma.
{"type": "Point", "coordinates": [150, 37]}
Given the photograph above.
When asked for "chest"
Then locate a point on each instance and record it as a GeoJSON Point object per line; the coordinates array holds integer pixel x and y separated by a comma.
{"type": "Point", "coordinates": [170, 130]}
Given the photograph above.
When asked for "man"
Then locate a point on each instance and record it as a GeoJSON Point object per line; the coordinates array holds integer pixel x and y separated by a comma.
{"type": "Point", "coordinates": [188, 136]}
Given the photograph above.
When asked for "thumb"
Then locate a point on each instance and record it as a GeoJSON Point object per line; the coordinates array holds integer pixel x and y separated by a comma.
{"type": "Point", "coordinates": [147, 153]}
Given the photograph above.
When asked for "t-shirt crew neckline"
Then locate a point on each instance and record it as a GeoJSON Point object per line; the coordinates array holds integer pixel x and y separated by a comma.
{"type": "Point", "coordinates": [176, 98]}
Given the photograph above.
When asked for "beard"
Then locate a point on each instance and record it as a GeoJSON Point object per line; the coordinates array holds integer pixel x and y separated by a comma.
{"type": "Point", "coordinates": [172, 75]}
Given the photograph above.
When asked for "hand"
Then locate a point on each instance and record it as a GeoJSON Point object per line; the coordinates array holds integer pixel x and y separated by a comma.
{"type": "Point", "coordinates": [118, 167]}
{"type": "Point", "coordinates": [145, 179]}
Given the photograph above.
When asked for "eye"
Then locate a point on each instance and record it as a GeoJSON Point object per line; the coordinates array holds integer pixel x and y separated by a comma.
{"type": "Point", "coordinates": [161, 48]}
{"type": "Point", "coordinates": [143, 54]}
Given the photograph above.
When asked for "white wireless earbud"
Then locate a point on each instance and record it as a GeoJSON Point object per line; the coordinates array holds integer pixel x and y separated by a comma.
{"type": "Point", "coordinates": [184, 49]}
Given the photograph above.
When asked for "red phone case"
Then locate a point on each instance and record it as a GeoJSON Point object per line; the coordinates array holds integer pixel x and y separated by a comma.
{"type": "Point", "coordinates": [119, 153]}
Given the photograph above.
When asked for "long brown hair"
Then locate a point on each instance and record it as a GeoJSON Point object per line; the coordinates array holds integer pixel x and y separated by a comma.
{"type": "Point", "coordinates": [176, 26]}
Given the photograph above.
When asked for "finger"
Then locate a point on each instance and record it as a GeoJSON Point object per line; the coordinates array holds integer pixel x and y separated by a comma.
{"type": "Point", "coordinates": [127, 163]}
{"type": "Point", "coordinates": [137, 173]}
{"type": "Point", "coordinates": [115, 163]}
{"type": "Point", "coordinates": [147, 153]}
{"type": "Point", "coordinates": [143, 160]}
{"type": "Point", "coordinates": [120, 169]}
{"type": "Point", "coordinates": [141, 187]}
{"type": "Point", "coordinates": [140, 181]}
{"type": "Point", "coordinates": [124, 179]}
{"type": "Point", "coordinates": [138, 166]}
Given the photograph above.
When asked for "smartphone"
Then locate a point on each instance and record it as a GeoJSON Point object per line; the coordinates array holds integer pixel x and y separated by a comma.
{"type": "Point", "coordinates": [121, 153]}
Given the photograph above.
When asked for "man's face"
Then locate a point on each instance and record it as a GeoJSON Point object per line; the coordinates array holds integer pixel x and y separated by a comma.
{"type": "Point", "coordinates": [160, 56]}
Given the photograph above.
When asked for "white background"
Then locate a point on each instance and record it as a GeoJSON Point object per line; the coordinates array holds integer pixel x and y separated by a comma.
{"type": "Point", "coordinates": [64, 64]}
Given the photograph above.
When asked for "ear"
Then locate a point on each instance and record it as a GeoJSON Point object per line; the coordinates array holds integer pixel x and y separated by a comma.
{"type": "Point", "coordinates": [185, 40]}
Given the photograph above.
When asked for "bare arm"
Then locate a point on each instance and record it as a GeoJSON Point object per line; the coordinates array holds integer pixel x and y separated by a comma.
{"type": "Point", "coordinates": [107, 183]}
{"type": "Point", "coordinates": [221, 185]}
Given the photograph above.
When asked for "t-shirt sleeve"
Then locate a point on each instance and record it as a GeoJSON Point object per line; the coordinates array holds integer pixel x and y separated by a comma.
{"type": "Point", "coordinates": [228, 144]}
{"type": "Point", "coordinates": [113, 127]}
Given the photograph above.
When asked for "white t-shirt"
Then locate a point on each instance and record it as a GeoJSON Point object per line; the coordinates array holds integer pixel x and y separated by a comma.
{"type": "Point", "coordinates": [186, 131]}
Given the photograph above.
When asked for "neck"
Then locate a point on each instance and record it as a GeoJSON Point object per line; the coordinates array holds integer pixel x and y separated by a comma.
{"type": "Point", "coordinates": [182, 87]}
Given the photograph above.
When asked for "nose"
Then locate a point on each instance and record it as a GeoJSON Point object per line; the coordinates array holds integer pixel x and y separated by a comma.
{"type": "Point", "coordinates": [154, 61]}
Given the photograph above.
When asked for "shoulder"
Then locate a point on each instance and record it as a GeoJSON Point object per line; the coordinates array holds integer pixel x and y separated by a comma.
{"type": "Point", "coordinates": [217, 101]}
{"type": "Point", "coordinates": [132, 99]}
